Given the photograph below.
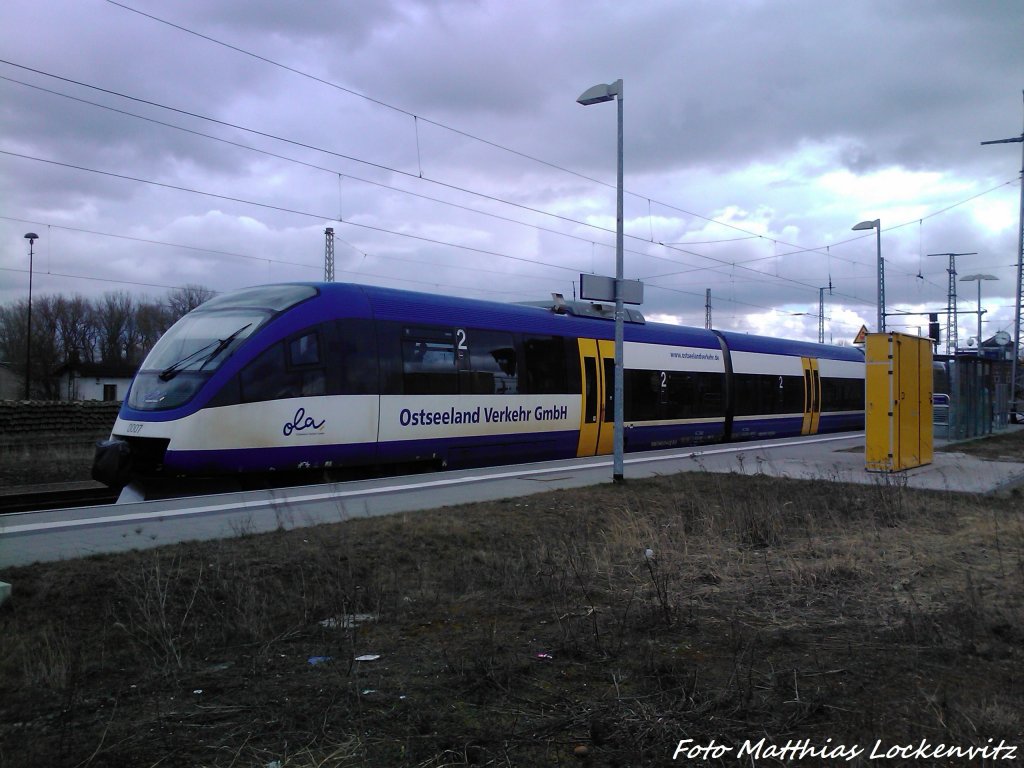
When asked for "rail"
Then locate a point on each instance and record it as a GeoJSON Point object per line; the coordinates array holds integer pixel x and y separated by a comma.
{"type": "Point", "coordinates": [35, 501]}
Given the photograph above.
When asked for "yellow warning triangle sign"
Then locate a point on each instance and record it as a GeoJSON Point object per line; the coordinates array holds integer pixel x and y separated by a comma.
{"type": "Point", "coordinates": [862, 335]}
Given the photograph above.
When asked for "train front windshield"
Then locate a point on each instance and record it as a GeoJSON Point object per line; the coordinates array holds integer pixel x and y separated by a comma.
{"type": "Point", "coordinates": [195, 346]}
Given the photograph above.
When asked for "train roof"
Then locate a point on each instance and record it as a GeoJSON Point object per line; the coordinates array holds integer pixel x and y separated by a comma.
{"type": "Point", "coordinates": [742, 342]}
{"type": "Point", "coordinates": [555, 318]}
{"type": "Point", "coordinates": [540, 317]}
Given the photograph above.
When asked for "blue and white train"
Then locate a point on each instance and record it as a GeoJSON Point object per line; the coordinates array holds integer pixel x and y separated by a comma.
{"type": "Point", "coordinates": [285, 378]}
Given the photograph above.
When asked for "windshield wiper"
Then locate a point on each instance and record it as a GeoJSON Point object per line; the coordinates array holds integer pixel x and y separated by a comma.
{"type": "Point", "coordinates": [219, 346]}
{"type": "Point", "coordinates": [222, 345]}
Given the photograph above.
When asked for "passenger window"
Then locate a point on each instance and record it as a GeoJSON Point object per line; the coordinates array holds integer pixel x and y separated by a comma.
{"type": "Point", "coordinates": [590, 394]}
{"type": "Point", "coordinates": [429, 367]}
{"type": "Point", "coordinates": [609, 390]}
{"type": "Point", "coordinates": [491, 364]}
{"type": "Point", "coordinates": [544, 366]}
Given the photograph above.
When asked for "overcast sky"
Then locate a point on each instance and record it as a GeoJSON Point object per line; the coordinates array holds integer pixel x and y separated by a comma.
{"type": "Point", "coordinates": [153, 145]}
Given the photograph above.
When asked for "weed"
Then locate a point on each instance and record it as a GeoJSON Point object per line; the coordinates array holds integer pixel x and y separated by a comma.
{"type": "Point", "coordinates": [46, 656]}
{"type": "Point", "coordinates": [614, 619]}
{"type": "Point", "coordinates": [151, 609]}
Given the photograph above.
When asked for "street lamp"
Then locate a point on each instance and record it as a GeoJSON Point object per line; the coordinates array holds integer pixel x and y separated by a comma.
{"type": "Point", "coordinates": [31, 237]}
{"type": "Point", "coordinates": [877, 226]}
{"type": "Point", "coordinates": [598, 95]}
{"type": "Point", "coordinates": [978, 278]}
{"type": "Point", "coordinates": [1020, 273]}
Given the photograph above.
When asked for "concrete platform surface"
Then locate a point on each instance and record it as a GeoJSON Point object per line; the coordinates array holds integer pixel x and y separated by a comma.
{"type": "Point", "coordinates": [842, 460]}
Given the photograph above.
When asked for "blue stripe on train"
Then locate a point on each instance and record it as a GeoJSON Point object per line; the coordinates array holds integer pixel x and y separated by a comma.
{"type": "Point", "coordinates": [841, 422]}
{"type": "Point", "coordinates": [656, 437]}
{"type": "Point", "coordinates": [455, 452]}
{"type": "Point", "coordinates": [232, 460]}
{"type": "Point", "coordinates": [789, 426]}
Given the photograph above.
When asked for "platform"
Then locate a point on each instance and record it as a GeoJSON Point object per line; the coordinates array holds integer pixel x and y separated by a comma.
{"type": "Point", "coordinates": [842, 460]}
{"type": "Point", "coordinates": [57, 534]}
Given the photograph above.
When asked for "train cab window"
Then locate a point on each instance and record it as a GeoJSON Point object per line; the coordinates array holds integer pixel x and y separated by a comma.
{"type": "Point", "coordinates": [311, 383]}
{"type": "Point", "coordinates": [304, 350]}
{"type": "Point", "coordinates": [337, 358]}
{"type": "Point", "coordinates": [265, 378]}
{"type": "Point", "coordinates": [354, 357]}
{"type": "Point", "coordinates": [306, 372]}
{"type": "Point", "coordinates": [275, 375]}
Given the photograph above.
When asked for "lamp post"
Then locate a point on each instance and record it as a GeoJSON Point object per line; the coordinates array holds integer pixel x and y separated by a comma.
{"type": "Point", "coordinates": [598, 95]}
{"type": "Point", "coordinates": [978, 278]}
{"type": "Point", "coordinates": [1020, 271]}
{"type": "Point", "coordinates": [821, 315]}
{"type": "Point", "coordinates": [31, 237]}
{"type": "Point", "coordinates": [877, 226]}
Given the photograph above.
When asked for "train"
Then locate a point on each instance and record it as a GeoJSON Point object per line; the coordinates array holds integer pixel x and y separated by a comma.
{"type": "Point", "coordinates": [322, 378]}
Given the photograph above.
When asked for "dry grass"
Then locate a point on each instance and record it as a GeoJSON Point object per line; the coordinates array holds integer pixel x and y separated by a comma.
{"type": "Point", "coordinates": [616, 619]}
{"type": "Point", "coordinates": [49, 459]}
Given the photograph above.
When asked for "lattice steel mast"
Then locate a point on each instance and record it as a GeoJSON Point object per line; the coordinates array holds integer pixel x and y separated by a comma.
{"type": "Point", "coordinates": [951, 312]}
{"type": "Point", "coordinates": [329, 255]}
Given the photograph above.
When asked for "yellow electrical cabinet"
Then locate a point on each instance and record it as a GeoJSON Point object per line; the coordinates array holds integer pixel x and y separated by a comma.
{"type": "Point", "coordinates": [898, 402]}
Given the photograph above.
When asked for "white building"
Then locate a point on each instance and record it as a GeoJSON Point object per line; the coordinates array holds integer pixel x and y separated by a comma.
{"type": "Point", "coordinates": [94, 381]}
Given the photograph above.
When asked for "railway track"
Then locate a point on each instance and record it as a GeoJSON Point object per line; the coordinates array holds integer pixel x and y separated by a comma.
{"type": "Point", "coordinates": [37, 500]}
{"type": "Point", "coordinates": [64, 533]}
{"type": "Point", "coordinates": [70, 495]}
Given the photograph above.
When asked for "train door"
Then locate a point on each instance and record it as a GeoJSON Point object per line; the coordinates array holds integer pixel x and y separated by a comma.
{"type": "Point", "coordinates": [812, 396]}
{"type": "Point", "coordinates": [597, 366]}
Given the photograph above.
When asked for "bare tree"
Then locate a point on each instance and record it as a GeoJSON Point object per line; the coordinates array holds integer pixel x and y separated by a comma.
{"type": "Point", "coordinates": [183, 300]}
{"type": "Point", "coordinates": [115, 322]}
{"type": "Point", "coordinates": [76, 329]}
{"type": "Point", "coordinates": [63, 331]}
{"type": "Point", "coordinates": [13, 322]}
{"type": "Point", "coordinates": [46, 352]}
{"type": "Point", "coordinates": [151, 319]}
{"type": "Point", "coordinates": [117, 329]}
{"type": "Point", "coordinates": [13, 318]}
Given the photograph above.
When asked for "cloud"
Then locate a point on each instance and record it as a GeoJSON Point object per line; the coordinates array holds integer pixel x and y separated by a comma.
{"type": "Point", "coordinates": [443, 143]}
